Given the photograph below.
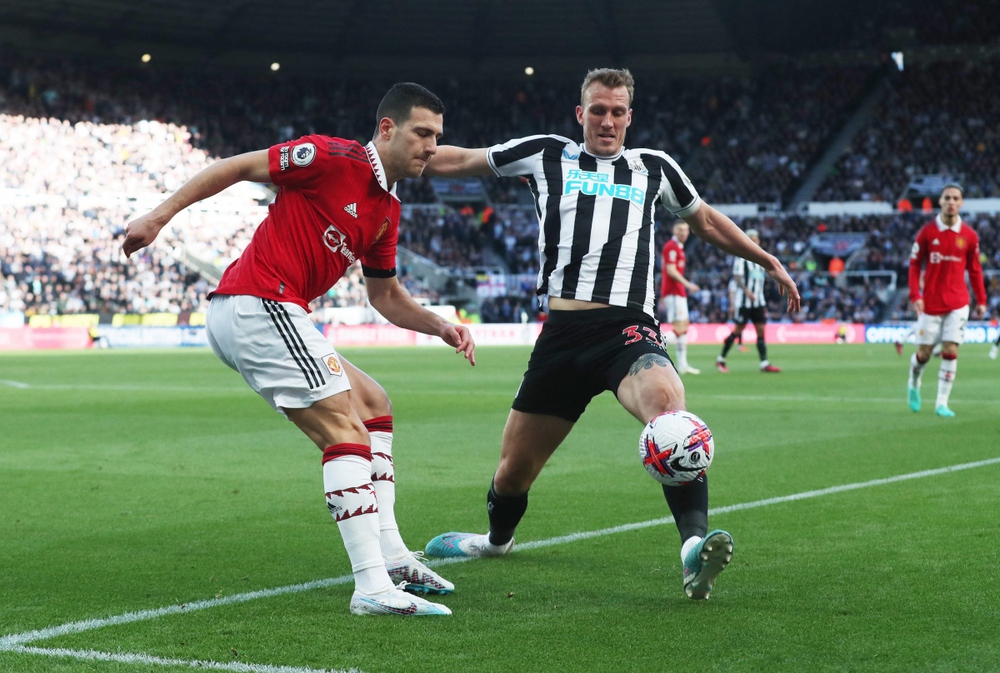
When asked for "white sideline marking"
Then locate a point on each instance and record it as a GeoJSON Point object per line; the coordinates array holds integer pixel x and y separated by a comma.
{"type": "Point", "coordinates": [8, 642]}
{"type": "Point", "coordinates": [126, 388]}
{"type": "Point", "coordinates": [130, 658]}
{"type": "Point", "coordinates": [806, 398]}
{"type": "Point", "coordinates": [15, 642]}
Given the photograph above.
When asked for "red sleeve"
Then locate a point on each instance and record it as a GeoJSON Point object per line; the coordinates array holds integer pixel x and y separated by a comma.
{"type": "Point", "coordinates": [918, 254]}
{"type": "Point", "coordinates": [382, 255]}
{"type": "Point", "coordinates": [976, 271]}
{"type": "Point", "coordinates": [298, 163]}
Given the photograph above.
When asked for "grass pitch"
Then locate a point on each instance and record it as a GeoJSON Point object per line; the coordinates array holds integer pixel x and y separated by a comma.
{"type": "Point", "coordinates": [134, 481]}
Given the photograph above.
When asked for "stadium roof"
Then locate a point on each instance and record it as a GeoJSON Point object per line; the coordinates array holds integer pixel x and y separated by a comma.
{"type": "Point", "coordinates": [459, 36]}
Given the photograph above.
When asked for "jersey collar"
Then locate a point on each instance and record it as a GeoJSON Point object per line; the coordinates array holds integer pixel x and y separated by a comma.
{"type": "Point", "coordinates": [942, 226]}
{"type": "Point", "coordinates": [584, 150]}
{"type": "Point", "coordinates": [377, 169]}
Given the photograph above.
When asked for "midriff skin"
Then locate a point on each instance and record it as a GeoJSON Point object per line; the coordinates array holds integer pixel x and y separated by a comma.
{"type": "Point", "coordinates": [558, 304]}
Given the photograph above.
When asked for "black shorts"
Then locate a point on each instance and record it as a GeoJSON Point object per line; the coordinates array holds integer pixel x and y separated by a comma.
{"type": "Point", "coordinates": [755, 314]}
{"type": "Point", "coordinates": [580, 354]}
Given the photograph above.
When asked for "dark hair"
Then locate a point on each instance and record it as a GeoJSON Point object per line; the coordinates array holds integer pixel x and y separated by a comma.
{"type": "Point", "coordinates": [399, 101]}
{"type": "Point", "coordinates": [953, 185]}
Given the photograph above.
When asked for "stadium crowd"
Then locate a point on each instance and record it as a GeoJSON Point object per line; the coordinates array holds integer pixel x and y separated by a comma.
{"type": "Point", "coordinates": [82, 145]}
{"type": "Point", "coordinates": [940, 118]}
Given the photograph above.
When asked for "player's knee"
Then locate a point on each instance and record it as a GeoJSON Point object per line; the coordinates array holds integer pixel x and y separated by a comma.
{"type": "Point", "coordinates": [514, 477]}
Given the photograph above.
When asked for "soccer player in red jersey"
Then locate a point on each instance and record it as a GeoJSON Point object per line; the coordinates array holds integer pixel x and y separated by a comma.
{"type": "Point", "coordinates": [336, 204]}
{"type": "Point", "coordinates": [944, 249]}
{"type": "Point", "coordinates": [673, 292]}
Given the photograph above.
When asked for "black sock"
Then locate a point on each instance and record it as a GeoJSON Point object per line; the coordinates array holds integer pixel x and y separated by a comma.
{"type": "Point", "coordinates": [727, 344]}
{"type": "Point", "coordinates": [505, 513]}
{"type": "Point", "coordinates": [689, 505]}
{"type": "Point", "coordinates": [761, 348]}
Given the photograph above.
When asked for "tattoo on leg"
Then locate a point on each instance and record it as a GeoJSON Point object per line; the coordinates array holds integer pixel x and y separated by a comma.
{"type": "Point", "coordinates": [647, 361]}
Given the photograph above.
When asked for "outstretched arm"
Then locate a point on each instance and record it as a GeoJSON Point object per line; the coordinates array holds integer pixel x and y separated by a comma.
{"type": "Point", "coordinates": [251, 166]}
{"type": "Point", "coordinates": [713, 227]}
{"type": "Point", "coordinates": [458, 162]}
{"type": "Point", "coordinates": [390, 299]}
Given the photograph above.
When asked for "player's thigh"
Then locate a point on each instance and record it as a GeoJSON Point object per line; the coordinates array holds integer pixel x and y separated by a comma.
{"type": "Point", "coordinates": [330, 421]}
{"type": "Point", "coordinates": [368, 397]}
{"type": "Point", "coordinates": [277, 349]}
{"type": "Point", "coordinates": [529, 440]}
{"type": "Point", "coordinates": [928, 329]}
{"type": "Point", "coordinates": [953, 326]}
{"type": "Point", "coordinates": [677, 309]}
{"type": "Point", "coordinates": [651, 387]}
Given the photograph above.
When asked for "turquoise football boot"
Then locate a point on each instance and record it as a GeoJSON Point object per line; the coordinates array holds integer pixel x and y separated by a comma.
{"type": "Point", "coordinates": [704, 562]}
{"type": "Point", "coordinates": [914, 396]}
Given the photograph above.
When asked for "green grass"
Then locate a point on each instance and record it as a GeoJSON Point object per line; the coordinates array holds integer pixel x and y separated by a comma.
{"type": "Point", "coordinates": [134, 480]}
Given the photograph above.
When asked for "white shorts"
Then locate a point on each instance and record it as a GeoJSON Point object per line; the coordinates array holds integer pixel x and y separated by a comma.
{"type": "Point", "coordinates": [932, 329]}
{"type": "Point", "coordinates": [276, 348]}
{"type": "Point", "coordinates": [675, 308]}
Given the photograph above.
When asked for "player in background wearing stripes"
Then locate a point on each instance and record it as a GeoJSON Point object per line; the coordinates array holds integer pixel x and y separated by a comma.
{"type": "Point", "coordinates": [944, 250]}
{"type": "Point", "coordinates": [336, 204]}
{"type": "Point", "coordinates": [750, 306]}
{"type": "Point", "coordinates": [595, 203]}
{"type": "Point", "coordinates": [673, 293]}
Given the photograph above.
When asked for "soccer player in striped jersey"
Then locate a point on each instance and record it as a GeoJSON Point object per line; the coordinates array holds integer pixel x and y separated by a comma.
{"type": "Point", "coordinates": [750, 306]}
{"type": "Point", "coordinates": [336, 204]}
{"type": "Point", "coordinates": [595, 203]}
{"type": "Point", "coordinates": [944, 251]}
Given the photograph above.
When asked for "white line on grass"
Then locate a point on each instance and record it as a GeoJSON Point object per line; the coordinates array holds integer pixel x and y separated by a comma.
{"type": "Point", "coordinates": [127, 388]}
{"type": "Point", "coordinates": [15, 642]}
{"type": "Point", "coordinates": [130, 658]}
{"type": "Point", "coordinates": [7, 642]}
{"type": "Point", "coordinates": [807, 398]}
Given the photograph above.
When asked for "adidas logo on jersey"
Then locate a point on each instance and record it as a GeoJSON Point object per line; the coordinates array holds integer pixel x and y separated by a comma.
{"type": "Point", "coordinates": [352, 210]}
{"type": "Point", "coordinates": [935, 242]}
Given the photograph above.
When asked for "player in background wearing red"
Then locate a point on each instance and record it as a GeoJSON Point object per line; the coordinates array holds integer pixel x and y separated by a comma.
{"type": "Point", "coordinates": [944, 249]}
{"type": "Point", "coordinates": [673, 293]}
{"type": "Point", "coordinates": [336, 204]}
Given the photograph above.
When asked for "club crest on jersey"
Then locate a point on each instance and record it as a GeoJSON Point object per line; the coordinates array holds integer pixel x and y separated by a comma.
{"type": "Point", "coordinates": [334, 239]}
{"type": "Point", "coordinates": [303, 155]}
{"type": "Point", "coordinates": [333, 365]}
{"type": "Point", "coordinates": [637, 166]}
{"type": "Point", "coordinates": [960, 243]}
{"type": "Point", "coordinates": [382, 229]}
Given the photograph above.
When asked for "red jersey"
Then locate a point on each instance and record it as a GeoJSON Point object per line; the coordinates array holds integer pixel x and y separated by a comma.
{"type": "Point", "coordinates": [673, 253]}
{"type": "Point", "coordinates": [333, 207]}
{"type": "Point", "coordinates": [947, 252]}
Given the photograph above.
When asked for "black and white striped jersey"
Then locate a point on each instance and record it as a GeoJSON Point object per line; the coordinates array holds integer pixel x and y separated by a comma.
{"type": "Point", "coordinates": [595, 215]}
{"type": "Point", "coordinates": [753, 279]}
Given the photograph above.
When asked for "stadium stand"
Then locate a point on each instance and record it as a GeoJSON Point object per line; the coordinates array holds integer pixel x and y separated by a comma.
{"type": "Point", "coordinates": [85, 146]}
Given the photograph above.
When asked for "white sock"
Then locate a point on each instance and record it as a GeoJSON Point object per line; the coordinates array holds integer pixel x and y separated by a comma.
{"type": "Point", "coordinates": [946, 378]}
{"type": "Point", "coordinates": [688, 546]}
{"type": "Point", "coordinates": [384, 479]}
{"type": "Point", "coordinates": [764, 363]}
{"type": "Point", "coordinates": [916, 371]}
{"type": "Point", "coordinates": [350, 497]}
{"type": "Point", "coordinates": [682, 351]}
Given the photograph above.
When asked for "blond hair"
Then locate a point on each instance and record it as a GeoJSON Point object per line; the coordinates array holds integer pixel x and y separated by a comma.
{"type": "Point", "coordinates": [611, 78]}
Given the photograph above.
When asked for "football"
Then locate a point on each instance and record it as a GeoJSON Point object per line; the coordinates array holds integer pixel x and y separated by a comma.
{"type": "Point", "coordinates": [676, 447]}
